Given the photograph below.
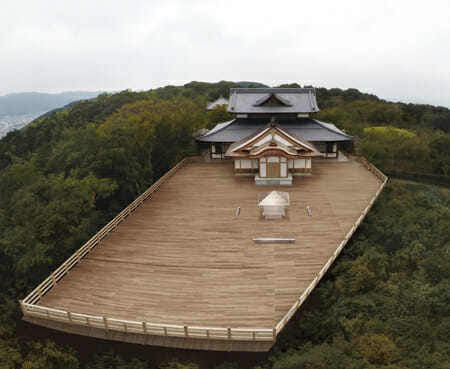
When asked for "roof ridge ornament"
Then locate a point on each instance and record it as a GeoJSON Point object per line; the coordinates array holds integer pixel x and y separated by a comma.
{"type": "Point", "coordinates": [272, 122]}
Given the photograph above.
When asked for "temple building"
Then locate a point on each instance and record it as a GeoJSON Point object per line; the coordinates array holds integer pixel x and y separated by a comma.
{"type": "Point", "coordinates": [290, 109]}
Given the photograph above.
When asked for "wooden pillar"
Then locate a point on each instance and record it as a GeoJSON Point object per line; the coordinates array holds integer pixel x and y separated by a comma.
{"type": "Point", "coordinates": [274, 334]}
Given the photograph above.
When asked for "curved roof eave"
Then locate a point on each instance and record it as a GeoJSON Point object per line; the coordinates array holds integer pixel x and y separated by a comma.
{"type": "Point", "coordinates": [331, 127]}
{"type": "Point", "coordinates": [239, 128]}
{"type": "Point", "coordinates": [219, 127]}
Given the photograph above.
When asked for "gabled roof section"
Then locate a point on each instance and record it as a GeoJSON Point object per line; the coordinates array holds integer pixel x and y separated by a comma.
{"type": "Point", "coordinates": [271, 137]}
{"type": "Point", "coordinates": [273, 100]}
{"type": "Point", "coordinates": [268, 146]}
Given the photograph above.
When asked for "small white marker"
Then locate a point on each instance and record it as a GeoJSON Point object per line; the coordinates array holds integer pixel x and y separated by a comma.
{"type": "Point", "coordinates": [238, 210]}
{"type": "Point", "coordinates": [308, 210]}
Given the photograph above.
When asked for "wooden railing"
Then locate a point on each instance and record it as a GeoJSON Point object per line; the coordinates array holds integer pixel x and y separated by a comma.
{"type": "Point", "coordinates": [373, 168]}
{"type": "Point", "coordinates": [30, 308]}
{"type": "Point", "coordinates": [282, 323]}
{"type": "Point", "coordinates": [145, 328]}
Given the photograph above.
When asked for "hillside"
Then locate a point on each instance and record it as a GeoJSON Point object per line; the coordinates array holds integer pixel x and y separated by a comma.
{"type": "Point", "coordinates": [384, 303]}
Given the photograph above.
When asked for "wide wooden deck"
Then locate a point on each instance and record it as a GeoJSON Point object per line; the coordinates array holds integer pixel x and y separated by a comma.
{"type": "Point", "coordinates": [185, 258]}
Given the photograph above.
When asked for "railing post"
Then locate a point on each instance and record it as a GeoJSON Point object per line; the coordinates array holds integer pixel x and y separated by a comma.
{"type": "Point", "coordinates": [186, 333]}
{"type": "Point", "coordinates": [105, 322]}
{"type": "Point", "coordinates": [69, 316]}
{"type": "Point", "coordinates": [165, 331]}
{"type": "Point", "coordinates": [53, 279]}
{"type": "Point", "coordinates": [229, 333]}
{"type": "Point", "coordinates": [78, 255]}
{"type": "Point", "coordinates": [274, 334]}
{"type": "Point", "coordinates": [22, 307]}
{"type": "Point", "coordinates": [207, 334]}
{"type": "Point", "coordinates": [254, 336]}
{"type": "Point", "coordinates": [144, 326]}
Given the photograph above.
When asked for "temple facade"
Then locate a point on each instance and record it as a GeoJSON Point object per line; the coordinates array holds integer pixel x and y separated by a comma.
{"type": "Point", "coordinates": [272, 154]}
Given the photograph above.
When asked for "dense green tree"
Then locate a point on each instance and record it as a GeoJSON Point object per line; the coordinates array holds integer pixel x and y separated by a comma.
{"type": "Point", "coordinates": [175, 364]}
{"type": "Point", "coordinates": [112, 361]}
{"type": "Point", "coordinates": [383, 145]}
{"type": "Point", "coordinates": [440, 152]}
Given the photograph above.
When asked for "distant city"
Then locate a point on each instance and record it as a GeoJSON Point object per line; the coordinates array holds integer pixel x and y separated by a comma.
{"type": "Point", "coordinates": [19, 109]}
{"type": "Point", "coordinates": [11, 123]}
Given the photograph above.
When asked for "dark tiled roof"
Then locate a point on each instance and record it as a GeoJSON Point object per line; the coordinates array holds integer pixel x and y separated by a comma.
{"type": "Point", "coordinates": [306, 128]}
{"type": "Point", "coordinates": [268, 126]}
{"type": "Point", "coordinates": [291, 100]}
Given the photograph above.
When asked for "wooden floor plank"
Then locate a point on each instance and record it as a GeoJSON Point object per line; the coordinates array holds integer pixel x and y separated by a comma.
{"type": "Point", "coordinates": [184, 257]}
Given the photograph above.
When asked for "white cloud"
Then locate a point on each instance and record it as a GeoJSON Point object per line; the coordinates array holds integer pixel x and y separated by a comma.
{"type": "Point", "coordinates": [398, 49]}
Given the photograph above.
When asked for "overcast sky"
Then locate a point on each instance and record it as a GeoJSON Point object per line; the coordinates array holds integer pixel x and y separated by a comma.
{"type": "Point", "coordinates": [398, 50]}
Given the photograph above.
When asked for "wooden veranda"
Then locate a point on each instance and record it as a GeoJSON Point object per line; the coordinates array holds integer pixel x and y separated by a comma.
{"type": "Point", "coordinates": [179, 266]}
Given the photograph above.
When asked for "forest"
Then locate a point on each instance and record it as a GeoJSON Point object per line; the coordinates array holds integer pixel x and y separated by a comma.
{"type": "Point", "coordinates": [383, 304]}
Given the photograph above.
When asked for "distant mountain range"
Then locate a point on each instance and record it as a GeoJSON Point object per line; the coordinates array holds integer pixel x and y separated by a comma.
{"type": "Point", "coordinates": [37, 102]}
{"type": "Point", "coordinates": [19, 109]}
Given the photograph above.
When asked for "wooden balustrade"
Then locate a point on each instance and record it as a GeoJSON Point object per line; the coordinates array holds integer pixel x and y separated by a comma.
{"type": "Point", "coordinates": [236, 334]}
{"type": "Point", "coordinates": [29, 307]}
{"type": "Point", "coordinates": [373, 169]}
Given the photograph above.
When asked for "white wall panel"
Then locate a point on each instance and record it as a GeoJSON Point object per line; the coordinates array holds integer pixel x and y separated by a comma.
{"type": "Point", "coordinates": [283, 169]}
{"type": "Point", "coordinates": [262, 170]}
{"type": "Point", "coordinates": [246, 164]}
{"type": "Point", "coordinates": [299, 163]}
